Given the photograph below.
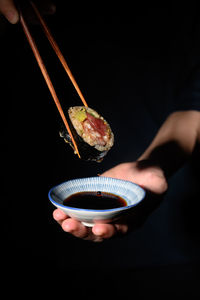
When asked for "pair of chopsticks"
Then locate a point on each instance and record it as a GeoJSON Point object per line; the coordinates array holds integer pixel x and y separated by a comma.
{"type": "Point", "coordinates": [44, 70]}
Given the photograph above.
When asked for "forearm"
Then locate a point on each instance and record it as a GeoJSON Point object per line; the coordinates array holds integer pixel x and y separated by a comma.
{"type": "Point", "coordinates": [175, 141]}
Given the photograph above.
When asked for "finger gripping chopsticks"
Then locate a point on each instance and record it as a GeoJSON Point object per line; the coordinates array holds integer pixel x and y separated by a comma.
{"type": "Point", "coordinates": [44, 70]}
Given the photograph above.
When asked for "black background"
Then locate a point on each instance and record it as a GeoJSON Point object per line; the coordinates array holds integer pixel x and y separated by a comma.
{"type": "Point", "coordinates": [130, 63]}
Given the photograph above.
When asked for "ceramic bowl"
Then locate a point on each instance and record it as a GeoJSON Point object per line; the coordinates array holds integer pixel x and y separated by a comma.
{"type": "Point", "coordinates": [129, 191]}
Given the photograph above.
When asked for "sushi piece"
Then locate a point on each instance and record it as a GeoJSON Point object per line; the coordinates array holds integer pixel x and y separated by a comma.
{"type": "Point", "coordinates": [93, 135]}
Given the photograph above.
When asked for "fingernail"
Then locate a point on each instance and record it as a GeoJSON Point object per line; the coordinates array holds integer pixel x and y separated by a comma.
{"type": "Point", "coordinates": [67, 227]}
{"type": "Point", "coordinates": [12, 16]}
{"type": "Point", "coordinates": [56, 216]}
{"type": "Point", "coordinates": [98, 231]}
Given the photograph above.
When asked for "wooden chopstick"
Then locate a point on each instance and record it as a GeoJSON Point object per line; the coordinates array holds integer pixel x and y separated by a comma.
{"type": "Point", "coordinates": [47, 78]}
{"type": "Point", "coordinates": [58, 52]}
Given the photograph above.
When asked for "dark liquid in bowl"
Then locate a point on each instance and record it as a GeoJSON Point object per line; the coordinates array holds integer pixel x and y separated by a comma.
{"type": "Point", "coordinates": [94, 200]}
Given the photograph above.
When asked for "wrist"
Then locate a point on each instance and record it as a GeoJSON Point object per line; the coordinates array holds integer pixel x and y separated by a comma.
{"type": "Point", "coordinates": [153, 176]}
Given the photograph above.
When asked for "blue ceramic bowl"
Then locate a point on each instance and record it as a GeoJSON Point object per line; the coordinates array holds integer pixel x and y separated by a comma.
{"type": "Point", "coordinates": [129, 191]}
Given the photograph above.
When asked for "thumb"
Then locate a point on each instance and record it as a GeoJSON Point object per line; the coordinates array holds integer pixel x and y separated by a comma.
{"type": "Point", "coordinates": [8, 9]}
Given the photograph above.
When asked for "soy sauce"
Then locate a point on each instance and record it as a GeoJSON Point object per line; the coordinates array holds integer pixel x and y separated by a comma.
{"type": "Point", "coordinates": [94, 200]}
